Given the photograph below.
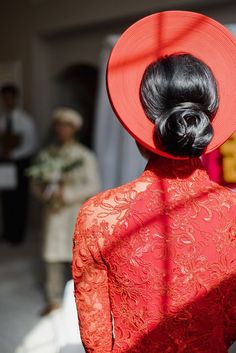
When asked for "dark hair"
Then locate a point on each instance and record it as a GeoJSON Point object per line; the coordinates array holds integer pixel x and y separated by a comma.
{"type": "Point", "coordinates": [179, 94]}
{"type": "Point", "coordinates": [10, 89]}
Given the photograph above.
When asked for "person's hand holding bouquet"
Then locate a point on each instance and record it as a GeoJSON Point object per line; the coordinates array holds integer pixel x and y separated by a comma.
{"type": "Point", "coordinates": [49, 173]}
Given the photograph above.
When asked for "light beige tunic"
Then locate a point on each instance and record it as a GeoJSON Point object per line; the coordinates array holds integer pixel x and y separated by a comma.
{"type": "Point", "coordinates": [81, 183]}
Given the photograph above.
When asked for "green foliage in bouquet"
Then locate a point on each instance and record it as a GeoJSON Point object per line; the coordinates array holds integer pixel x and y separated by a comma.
{"type": "Point", "coordinates": [51, 167]}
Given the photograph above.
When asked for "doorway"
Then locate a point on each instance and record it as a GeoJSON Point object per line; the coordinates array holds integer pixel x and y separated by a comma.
{"type": "Point", "coordinates": [75, 87]}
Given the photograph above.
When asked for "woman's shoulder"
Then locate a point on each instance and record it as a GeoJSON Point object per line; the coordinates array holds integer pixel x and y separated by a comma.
{"type": "Point", "coordinates": [223, 192]}
{"type": "Point", "coordinates": [108, 205]}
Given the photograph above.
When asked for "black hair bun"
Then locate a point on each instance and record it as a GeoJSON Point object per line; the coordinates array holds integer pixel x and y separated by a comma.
{"type": "Point", "coordinates": [179, 95]}
{"type": "Point", "coordinates": [184, 130]}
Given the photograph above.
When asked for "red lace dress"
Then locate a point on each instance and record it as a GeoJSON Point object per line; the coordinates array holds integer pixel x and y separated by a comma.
{"type": "Point", "coordinates": [155, 264]}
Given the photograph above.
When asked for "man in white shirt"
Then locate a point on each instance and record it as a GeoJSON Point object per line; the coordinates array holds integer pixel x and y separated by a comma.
{"type": "Point", "coordinates": [18, 143]}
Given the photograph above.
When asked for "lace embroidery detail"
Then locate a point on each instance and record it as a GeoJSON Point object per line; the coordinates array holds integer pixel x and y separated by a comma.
{"type": "Point", "coordinates": [159, 254]}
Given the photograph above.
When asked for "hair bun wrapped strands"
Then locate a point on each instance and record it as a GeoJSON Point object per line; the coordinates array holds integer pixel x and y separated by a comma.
{"type": "Point", "coordinates": [186, 127]}
{"type": "Point", "coordinates": [167, 33]}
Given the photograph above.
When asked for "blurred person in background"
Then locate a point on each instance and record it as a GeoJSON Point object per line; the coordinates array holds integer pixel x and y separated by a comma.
{"type": "Point", "coordinates": [18, 143]}
{"type": "Point", "coordinates": [64, 175]}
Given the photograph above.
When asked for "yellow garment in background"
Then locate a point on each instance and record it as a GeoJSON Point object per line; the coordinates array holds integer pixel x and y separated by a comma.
{"type": "Point", "coordinates": [228, 151]}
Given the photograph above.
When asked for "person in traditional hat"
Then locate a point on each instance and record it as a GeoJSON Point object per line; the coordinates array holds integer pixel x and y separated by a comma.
{"type": "Point", "coordinates": [64, 175]}
{"type": "Point", "coordinates": [154, 261]}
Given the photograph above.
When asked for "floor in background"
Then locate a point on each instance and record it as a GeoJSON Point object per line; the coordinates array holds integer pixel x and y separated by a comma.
{"type": "Point", "coordinates": [21, 297]}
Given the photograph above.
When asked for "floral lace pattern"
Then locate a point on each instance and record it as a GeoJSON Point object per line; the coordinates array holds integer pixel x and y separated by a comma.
{"type": "Point", "coordinates": [154, 264]}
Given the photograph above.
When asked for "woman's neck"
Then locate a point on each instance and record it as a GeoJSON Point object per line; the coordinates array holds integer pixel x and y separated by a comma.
{"type": "Point", "coordinates": [174, 168]}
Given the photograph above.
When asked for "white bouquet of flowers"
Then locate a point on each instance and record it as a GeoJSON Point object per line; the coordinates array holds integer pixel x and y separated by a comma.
{"type": "Point", "coordinates": [50, 170]}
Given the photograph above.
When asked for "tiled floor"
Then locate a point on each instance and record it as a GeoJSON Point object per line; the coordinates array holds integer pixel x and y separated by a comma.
{"type": "Point", "coordinates": [21, 295]}
{"type": "Point", "coordinates": [22, 330]}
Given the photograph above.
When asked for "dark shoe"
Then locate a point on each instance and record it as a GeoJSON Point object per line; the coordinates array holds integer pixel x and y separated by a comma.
{"type": "Point", "coordinates": [3, 240]}
{"type": "Point", "coordinates": [49, 308]}
{"type": "Point", "coordinates": [15, 244]}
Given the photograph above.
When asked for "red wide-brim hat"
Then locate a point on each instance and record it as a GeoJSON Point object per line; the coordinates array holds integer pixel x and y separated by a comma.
{"type": "Point", "coordinates": [166, 33]}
